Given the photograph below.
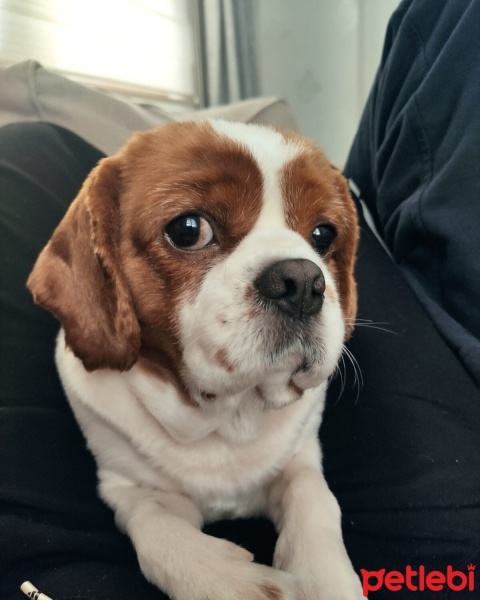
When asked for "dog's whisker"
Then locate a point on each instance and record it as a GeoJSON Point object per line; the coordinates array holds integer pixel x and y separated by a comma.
{"type": "Point", "coordinates": [342, 375]}
{"type": "Point", "coordinates": [327, 254]}
{"type": "Point", "coordinates": [369, 324]}
{"type": "Point", "coordinates": [358, 381]}
{"type": "Point", "coordinates": [375, 326]}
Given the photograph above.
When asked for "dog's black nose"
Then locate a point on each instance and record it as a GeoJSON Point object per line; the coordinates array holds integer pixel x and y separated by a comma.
{"type": "Point", "coordinates": [294, 286]}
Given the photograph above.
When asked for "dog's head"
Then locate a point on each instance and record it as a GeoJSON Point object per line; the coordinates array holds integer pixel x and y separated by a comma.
{"type": "Point", "coordinates": [218, 255]}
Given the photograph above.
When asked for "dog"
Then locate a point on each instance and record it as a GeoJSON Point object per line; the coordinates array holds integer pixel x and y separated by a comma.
{"type": "Point", "coordinates": [204, 281]}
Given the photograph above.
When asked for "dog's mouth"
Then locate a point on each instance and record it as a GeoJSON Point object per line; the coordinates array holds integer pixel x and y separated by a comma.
{"type": "Point", "coordinates": [302, 347]}
{"type": "Point", "coordinates": [281, 389]}
{"type": "Point", "coordinates": [242, 348]}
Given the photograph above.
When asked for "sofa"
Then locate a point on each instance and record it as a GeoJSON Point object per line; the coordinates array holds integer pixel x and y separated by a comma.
{"type": "Point", "coordinates": [29, 92]}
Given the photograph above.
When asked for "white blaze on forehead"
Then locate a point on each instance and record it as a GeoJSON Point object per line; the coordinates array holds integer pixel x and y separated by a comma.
{"type": "Point", "coordinates": [271, 151]}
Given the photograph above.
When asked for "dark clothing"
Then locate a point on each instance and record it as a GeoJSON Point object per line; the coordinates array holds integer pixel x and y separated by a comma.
{"type": "Point", "coordinates": [416, 160]}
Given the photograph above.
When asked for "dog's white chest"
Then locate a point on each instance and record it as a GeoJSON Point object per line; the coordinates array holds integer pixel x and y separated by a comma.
{"type": "Point", "coordinates": [157, 441]}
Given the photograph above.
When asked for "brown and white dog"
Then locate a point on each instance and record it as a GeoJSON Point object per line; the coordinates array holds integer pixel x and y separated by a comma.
{"type": "Point", "coordinates": [203, 278]}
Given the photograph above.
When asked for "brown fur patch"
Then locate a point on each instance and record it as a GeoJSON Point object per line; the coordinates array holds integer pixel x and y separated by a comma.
{"type": "Point", "coordinates": [249, 293]}
{"type": "Point", "coordinates": [110, 275]}
{"type": "Point", "coordinates": [222, 358]}
{"type": "Point", "coordinates": [181, 169]}
{"type": "Point", "coordinates": [271, 591]}
{"type": "Point", "coordinates": [297, 391]}
{"type": "Point", "coordinates": [79, 277]}
{"type": "Point", "coordinates": [259, 392]}
{"type": "Point", "coordinates": [316, 194]}
{"type": "Point", "coordinates": [331, 294]}
{"type": "Point", "coordinates": [161, 371]}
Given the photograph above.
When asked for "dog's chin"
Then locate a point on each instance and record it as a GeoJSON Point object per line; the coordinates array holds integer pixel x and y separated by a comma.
{"type": "Point", "coordinates": [264, 358]}
{"type": "Point", "coordinates": [274, 383]}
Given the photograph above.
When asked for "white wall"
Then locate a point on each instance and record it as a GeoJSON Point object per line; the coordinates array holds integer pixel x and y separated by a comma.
{"type": "Point", "coordinates": [321, 55]}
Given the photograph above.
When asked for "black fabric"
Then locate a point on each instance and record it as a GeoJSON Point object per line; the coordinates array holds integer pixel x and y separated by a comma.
{"type": "Point", "coordinates": [416, 160]}
{"type": "Point", "coordinates": [401, 454]}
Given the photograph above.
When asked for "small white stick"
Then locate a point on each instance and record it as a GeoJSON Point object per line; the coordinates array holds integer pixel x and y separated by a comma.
{"type": "Point", "coordinates": [31, 591]}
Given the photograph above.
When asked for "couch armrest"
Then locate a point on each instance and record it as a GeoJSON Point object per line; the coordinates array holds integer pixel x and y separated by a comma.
{"type": "Point", "coordinates": [264, 111]}
{"type": "Point", "coordinates": [28, 92]}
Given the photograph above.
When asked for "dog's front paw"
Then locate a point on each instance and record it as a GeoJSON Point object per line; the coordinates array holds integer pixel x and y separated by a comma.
{"type": "Point", "coordinates": [255, 582]}
{"type": "Point", "coordinates": [220, 570]}
{"type": "Point", "coordinates": [321, 576]}
{"type": "Point", "coordinates": [231, 575]}
{"type": "Point", "coordinates": [341, 583]}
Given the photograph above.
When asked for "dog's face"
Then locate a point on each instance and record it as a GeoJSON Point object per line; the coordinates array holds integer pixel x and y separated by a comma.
{"type": "Point", "coordinates": [217, 255]}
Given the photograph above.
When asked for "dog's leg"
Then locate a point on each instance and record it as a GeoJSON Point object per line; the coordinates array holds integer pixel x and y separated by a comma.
{"type": "Point", "coordinates": [181, 560]}
{"type": "Point", "coordinates": [308, 519]}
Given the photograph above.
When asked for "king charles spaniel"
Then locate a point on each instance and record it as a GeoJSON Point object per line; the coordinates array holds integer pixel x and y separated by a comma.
{"type": "Point", "coordinates": [203, 278]}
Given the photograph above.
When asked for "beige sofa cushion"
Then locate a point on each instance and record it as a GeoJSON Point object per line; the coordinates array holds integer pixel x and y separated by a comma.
{"type": "Point", "coordinates": [28, 92]}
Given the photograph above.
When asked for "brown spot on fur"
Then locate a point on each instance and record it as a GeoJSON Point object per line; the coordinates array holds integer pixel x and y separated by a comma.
{"type": "Point", "coordinates": [259, 392]}
{"type": "Point", "coordinates": [315, 194]}
{"type": "Point", "coordinates": [254, 312]}
{"type": "Point", "coordinates": [249, 293]}
{"type": "Point", "coordinates": [297, 391]}
{"type": "Point", "coordinates": [161, 371]}
{"type": "Point", "coordinates": [271, 591]}
{"type": "Point", "coordinates": [208, 396]}
{"type": "Point", "coordinates": [222, 358]}
{"type": "Point", "coordinates": [330, 294]}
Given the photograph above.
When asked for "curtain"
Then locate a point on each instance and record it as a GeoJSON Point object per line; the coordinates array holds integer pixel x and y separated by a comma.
{"type": "Point", "coordinates": [227, 44]}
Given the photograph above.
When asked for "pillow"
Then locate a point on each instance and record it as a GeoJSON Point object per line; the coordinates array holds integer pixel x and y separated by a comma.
{"type": "Point", "coordinates": [28, 92]}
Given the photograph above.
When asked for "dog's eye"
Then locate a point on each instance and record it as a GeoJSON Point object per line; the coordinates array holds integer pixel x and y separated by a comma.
{"type": "Point", "coordinates": [191, 232]}
{"type": "Point", "coordinates": [322, 237]}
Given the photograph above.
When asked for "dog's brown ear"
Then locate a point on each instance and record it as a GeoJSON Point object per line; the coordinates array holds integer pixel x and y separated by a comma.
{"type": "Point", "coordinates": [79, 279]}
{"type": "Point", "coordinates": [346, 258]}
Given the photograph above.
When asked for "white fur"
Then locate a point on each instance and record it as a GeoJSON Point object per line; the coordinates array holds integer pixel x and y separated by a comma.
{"type": "Point", "coordinates": [166, 467]}
{"type": "Point", "coordinates": [271, 151]}
{"type": "Point", "coordinates": [202, 338]}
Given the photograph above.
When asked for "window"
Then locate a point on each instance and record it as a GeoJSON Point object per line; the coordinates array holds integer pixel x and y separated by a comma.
{"type": "Point", "coordinates": [141, 48]}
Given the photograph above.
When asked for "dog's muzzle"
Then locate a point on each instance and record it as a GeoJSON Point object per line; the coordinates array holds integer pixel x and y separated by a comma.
{"type": "Point", "coordinates": [295, 286]}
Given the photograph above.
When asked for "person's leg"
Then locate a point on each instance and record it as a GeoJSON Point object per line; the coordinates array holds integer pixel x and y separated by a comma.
{"type": "Point", "coordinates": [404, 457]}
{"type": "Point", "coordinates": [54, 530]}
{"type": "Point", "coordinates": [402, 451]}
